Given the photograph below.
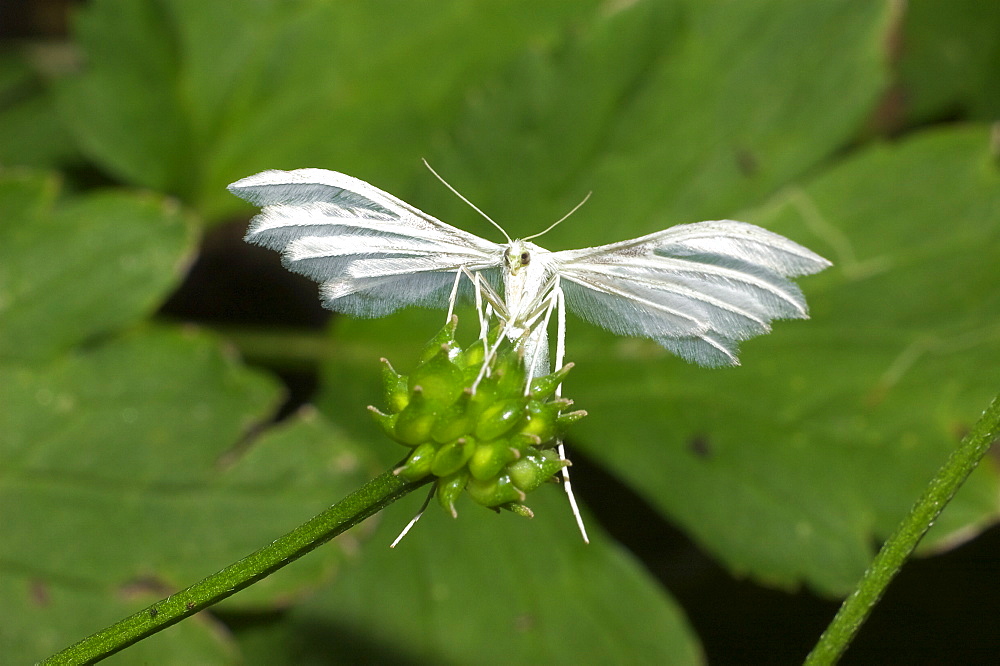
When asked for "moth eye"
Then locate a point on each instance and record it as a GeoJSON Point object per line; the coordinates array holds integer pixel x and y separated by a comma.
{"type": "Point", "coordinates": [525, 258]}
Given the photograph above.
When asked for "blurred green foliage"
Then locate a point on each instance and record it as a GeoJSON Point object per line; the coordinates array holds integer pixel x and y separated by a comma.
{"type": "Point", "coordinates": [136, 452]}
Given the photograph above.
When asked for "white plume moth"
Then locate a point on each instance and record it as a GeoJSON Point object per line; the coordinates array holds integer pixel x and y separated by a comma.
{"type": "Point", "coordinates": [696, 289]}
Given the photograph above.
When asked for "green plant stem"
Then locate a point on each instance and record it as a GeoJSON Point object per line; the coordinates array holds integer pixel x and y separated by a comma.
{"type": "Point", "coordinates": [356, 507]}
{"type": "Point", "coordinates": [897, 549]}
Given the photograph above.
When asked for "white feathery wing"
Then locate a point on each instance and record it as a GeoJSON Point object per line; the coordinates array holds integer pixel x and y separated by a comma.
{"type": "Point", "coordinates": [371, 252]}
{"type": "Point", "coordinates": [697, 289]}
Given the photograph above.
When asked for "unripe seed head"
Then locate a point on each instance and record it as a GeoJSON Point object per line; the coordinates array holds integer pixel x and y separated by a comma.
{"type": "Point", "coordinates": [476, 429]}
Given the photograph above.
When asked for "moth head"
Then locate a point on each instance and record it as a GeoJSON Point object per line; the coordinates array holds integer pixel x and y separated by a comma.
{"type": "Point", "coordinates": [517, 256]}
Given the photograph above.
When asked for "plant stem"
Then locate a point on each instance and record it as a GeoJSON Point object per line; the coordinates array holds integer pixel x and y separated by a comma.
{"type": "Point", "coordinates": [356, 507]}
{"type": "Point", "coordinates": [897, 549]}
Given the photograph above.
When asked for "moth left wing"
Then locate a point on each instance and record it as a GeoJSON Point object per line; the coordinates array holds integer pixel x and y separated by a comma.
{"type": "Point", "coordinates": [371, 252]}
{"type": "Point", "coordinates": [697, 289]}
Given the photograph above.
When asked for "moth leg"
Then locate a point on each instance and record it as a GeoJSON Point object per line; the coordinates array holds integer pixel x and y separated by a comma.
{"type": "Point", "coordinates": [491, 351]}
{"type": "Point", "coordinates": [413, 521]}
{"type": "Point", "coordinates": [454, 296]}
{"type": "Point", "coordinates": [487, 292]}
{"type": "Point", "coordinates": [536, 351]}
{"type": "Point", "coordinates": [560, 357]}
{"type": "Point", "coordinates": [494, 305]}
{"type": "Point", "coordinates": [477, 283]}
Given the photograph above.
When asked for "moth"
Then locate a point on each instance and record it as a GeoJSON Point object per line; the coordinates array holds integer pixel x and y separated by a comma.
{"type": "Point", "coordinates": [696, 289]}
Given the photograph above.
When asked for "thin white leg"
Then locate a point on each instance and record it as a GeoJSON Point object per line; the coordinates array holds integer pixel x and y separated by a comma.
{"type": "Point", "coordinates": [540, 343]}
{"type": "Point", "coordinates": [413, 521]}
{"type": "Point", "coordinates": [560, 357]}
{"type": "Point", "coordinates": [454, 296]}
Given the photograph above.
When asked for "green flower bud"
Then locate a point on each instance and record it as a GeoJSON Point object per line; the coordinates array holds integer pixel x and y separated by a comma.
{"type": "Point", "coordinates": [440, 379]}
{"type": "Point", "coordinates": [397, 390]}
{"type": "Point", "coordinates": [413, 425]}
{"type": "Point", "coordinates": [567, 418]}
{"type": "Point", "coordinates": [530, 472]}
{"type": "Point", "coordinates": [510, 375]}
{"type": "Point", "coordinates": [448, 490]}
{"type": "Point", "coordinates": [452, 457]}
{"type": "Point", "coordinates": [541, 418]}
{"type": "Point", "coordinates": [545, 386]}
{"type": "Point", "coordinates": [471, 360]}
{"type": "Point", "coordinates": [490, 458]}
{"type": "Point", "coordinates": [457, 420]}
{"type": "Point", "coordinates": [494, 492]}
{"type": "Point", "coordinates": [519, 509]}
{"type": "Point", "coordinates": [386, 421]}
{"type": "Point", "coordinates": [500, 418]}
{"type": "Point", "coordinates": [443, 338]}
{"type": "Point", "coordinates": [472, 428]}
{"type": "Point", "coordinates": [418, 465]}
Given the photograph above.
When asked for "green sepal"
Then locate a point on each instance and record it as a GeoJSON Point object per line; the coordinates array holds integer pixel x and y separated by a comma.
{"type": "Point", "coordinates": [452, 456]}
{"type": "Point", "coordinates": [418, 465]}
{"type": "Point", "coordinates": [531, 471]}
{"type": "Point", "coordinates": [449, 489]}
{"type": "Point", "coordinates": [490, 458]}
{"type": "Point", "coordinates": [500, 418]}
{"type": "Point", "coordinates": [495, 492]}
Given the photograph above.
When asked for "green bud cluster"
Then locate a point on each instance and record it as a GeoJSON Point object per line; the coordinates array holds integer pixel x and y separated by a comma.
{"type": "Point", "coordinates": [496, 442]}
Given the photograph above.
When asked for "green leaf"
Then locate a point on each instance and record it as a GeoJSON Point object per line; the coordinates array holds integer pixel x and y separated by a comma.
{"type": "Point", "coordinates": [669, 112]}
{"type": "Point", "coordinates": [790, 467]}
{"type": "Point", "coordinates": [948, 60]}
{"type": "Point", "coordinates": [167, 104]}
{"type": "Point", "coordinates": [127, 475]}
{"type": "Point", "coordinates": [31, 133]}
{"type": "Point", "coordinates": [483, 589]}
{"type": "Point", "coordinates": [77, 268]}
{"type": "Point", "coordinates": [46, 617]}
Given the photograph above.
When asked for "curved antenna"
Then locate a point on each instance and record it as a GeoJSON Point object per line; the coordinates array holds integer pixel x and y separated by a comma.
{"type": "Point", "coordinates": [474, 207]}
{"type": "Point", "coordinates": [554, 224]}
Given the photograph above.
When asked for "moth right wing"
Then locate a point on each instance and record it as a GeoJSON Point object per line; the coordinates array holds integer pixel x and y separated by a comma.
{"type": "Point", "coordinates": [371, 252]}
{"type": "Point", "coordinates": [697, 289]}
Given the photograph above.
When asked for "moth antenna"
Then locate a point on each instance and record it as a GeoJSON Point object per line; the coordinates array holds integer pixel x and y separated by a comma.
{"type": "Point", "coordinates": [561, 219]}
{"type": "Point", "coordinates": [474, 207]}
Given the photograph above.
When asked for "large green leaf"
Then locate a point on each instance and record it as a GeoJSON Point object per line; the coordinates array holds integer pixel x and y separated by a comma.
{"type": "Point", "coordinates": [127, 475]}
{"type": "Point", "coordinates": [31, 133]}
{"type": "Point", "coordinates": [485, 589]}
{"type": "Point", "coordinates": [793, 465]}
{"type": "Point", "coordinates": [669, 112]}
{"type": "Point", "coordinates": [165, 102]}
{"type": "Point", "coordinates": [74, 269]}
{"type": "Point", "coordinates": [948, 60]}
